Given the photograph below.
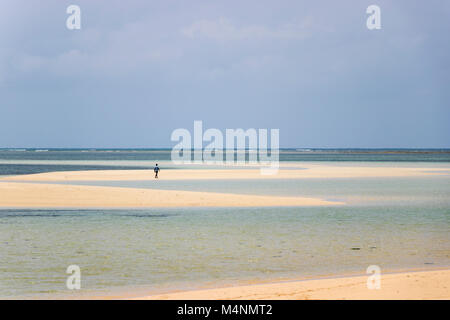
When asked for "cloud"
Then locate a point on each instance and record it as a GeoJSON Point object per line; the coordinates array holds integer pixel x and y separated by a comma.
{"type": "Point", "coordinates": [30, 63]}
{"type": "Point", "coordinates": [126, 50]}
{"type": "Point", "coordinates": [224, 29]}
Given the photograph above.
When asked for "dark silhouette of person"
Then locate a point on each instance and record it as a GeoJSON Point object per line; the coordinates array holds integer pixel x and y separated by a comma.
{"type": "Point", "coordinates": [156, 170]}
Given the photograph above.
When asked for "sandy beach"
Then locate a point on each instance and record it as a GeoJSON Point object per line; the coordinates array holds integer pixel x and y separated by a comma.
{"type": "Point", "coordinates": [421, 285]}
{"type": "Point", "coordinates": [16, 192]}
{"type": "Point", "coordinates": [309, 171]}
{"type": "Point", "coordinates": [33, 195]}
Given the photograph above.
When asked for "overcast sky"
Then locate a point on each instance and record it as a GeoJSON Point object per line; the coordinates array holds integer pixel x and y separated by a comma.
{"type": "Point", "coordinates": [137, 70]}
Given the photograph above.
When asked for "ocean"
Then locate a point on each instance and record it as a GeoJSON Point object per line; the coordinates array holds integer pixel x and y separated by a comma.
{"type": "Point", "coordinates": [396, 223]}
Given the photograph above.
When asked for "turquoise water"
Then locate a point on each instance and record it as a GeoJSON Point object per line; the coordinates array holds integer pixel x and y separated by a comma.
{"type": "Point", "coordinates": [396, 223]}
{"type": "Point", "coordinates": [159, 247]}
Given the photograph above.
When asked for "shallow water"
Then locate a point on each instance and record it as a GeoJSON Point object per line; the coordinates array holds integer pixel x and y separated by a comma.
{"type": "Point", "coordinates": [161, 246]}
{"type": "Point", "coordinates": [431, 190]}
{"type": "Point", "coordinates": [396, 223]}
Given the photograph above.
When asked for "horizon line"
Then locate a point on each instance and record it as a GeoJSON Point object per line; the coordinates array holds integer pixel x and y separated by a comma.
{"type": "Point", "coordinates": [193, 149]}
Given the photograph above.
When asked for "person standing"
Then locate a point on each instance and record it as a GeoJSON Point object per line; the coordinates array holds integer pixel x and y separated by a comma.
{"type": "Point", "coordinates": [156, 170]}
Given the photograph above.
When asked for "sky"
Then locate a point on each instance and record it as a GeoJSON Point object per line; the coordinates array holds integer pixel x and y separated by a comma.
{"type": "Point", "coordinates": [138, 70]}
